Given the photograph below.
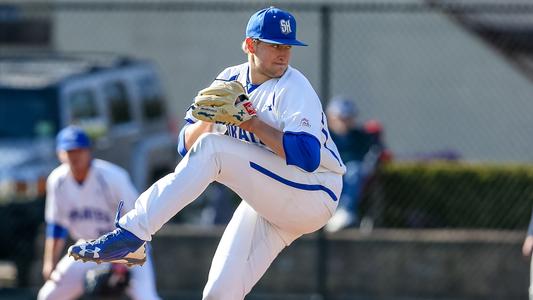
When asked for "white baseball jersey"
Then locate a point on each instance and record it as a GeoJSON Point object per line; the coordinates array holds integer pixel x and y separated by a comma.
{"type": "Point", "coordinates": [88, 210]}
{"type": "Point", "coordinates": [289, 104]}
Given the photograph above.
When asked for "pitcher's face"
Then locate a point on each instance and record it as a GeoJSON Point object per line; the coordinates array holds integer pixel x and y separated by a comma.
{"type": "Point", "coordinates": [271, 60]}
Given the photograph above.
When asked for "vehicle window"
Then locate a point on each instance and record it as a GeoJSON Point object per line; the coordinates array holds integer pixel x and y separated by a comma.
{"type": "Point", "coordinates": [25, 113]}
{"type": "Point", "coordinates": [151, 98]}
{"type": "Point", "coordinates": [83, 105]}
{"type": "Point", "coordinates": [117, 97]}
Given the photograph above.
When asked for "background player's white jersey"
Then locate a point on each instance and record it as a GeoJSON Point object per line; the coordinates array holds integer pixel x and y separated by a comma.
{"type": "Point", "coordinates": [87, 210]}
{"type": "Point", "coordinates": [289, 104]}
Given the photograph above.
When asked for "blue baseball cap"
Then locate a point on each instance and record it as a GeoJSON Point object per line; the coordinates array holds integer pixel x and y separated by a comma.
{"type": "Point", "coordinates": [72, 137]}
{"type": "Point", "coordinates": [273, 25]}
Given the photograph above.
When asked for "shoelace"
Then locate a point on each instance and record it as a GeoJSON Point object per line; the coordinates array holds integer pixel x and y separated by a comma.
{"type": "Point", "coordinates": [104, 238]}
{"type": "Point", "coordinates": [117, 216]}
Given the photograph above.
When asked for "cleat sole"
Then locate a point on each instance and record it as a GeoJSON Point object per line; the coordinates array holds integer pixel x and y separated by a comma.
{"type": "Point", "coordinates": [137, 258]}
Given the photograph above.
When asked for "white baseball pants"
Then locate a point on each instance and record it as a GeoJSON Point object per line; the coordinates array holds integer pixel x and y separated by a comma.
{"type": "Point", "coordinates": [280, 204]}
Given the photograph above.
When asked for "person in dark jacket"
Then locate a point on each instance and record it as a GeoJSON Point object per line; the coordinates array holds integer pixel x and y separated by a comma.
{"type": "Point", "coordinates": [360, 149]}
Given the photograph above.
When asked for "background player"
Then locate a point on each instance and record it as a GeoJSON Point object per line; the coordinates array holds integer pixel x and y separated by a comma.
{"type": "Point", "coordinates": [360, 149]}
{"type": "Point", "coordinates": [82, 197]}
{"type": "Point", "coordinates": [277, 157]}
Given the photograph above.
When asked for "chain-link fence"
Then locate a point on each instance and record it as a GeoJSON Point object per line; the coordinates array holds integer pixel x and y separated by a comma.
{"type": "Point", "coordinates": [438, 81]}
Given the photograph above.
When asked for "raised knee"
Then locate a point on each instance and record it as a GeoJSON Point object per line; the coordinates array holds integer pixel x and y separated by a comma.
{"type": "Point", "coordinates": [205, 142]}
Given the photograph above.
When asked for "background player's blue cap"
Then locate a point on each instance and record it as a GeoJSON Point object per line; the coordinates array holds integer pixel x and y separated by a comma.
{"type": "Point", "coordinates": [343, 107]}
{"type": "Point", "coordinates": [273, 25]}
{"type": "Point", "coordinates": [72, 137]}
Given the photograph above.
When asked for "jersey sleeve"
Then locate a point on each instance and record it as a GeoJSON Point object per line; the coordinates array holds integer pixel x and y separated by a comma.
{"type": "Point", "coordinates": [302, 150]}
{"type": "Point", "coordinates": [299, 109]}
{"type": "Point", "coordinates": [182, 150]}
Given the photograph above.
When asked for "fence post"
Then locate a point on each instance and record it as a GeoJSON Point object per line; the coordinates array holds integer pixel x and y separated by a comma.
{"type": "Point", "coordinates": [325, 52]}
{"type": "Point", "coordinates": [325, 62]}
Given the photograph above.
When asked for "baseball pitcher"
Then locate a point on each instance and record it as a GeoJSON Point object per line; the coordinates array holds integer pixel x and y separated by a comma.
{"type": "Point", "coordinates": [260, 130]}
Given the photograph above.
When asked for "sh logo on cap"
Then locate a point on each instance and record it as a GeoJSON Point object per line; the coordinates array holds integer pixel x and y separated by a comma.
{"type": "Point", "coordinates": [285, 26]}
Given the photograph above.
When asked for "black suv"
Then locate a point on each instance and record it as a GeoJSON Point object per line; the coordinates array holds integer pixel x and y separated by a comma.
{"type": "Point", "coordinates": [118, 100]}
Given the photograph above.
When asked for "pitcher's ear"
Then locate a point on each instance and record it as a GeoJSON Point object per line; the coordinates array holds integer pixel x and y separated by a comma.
{"type": "Point", "coordinates": [250, 45]}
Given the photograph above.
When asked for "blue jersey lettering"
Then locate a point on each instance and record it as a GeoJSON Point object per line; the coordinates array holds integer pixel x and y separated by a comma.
{"type": "Point", "coordinates": [89, 213]}
{"type": "Point", "coordinates": [242, 134]}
